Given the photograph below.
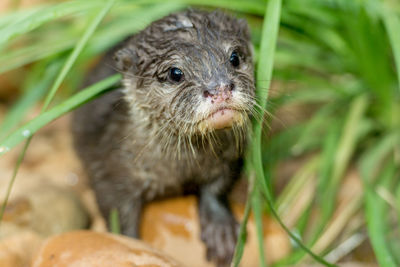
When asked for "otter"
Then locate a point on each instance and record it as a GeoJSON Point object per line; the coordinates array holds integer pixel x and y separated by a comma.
{"type": "Point", "coordinates": [177, 124]}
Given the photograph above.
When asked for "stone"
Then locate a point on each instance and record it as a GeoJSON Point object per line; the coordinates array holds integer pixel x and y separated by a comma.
{"type": "Point", "coordinates": [172, 226]}
{"type": "Point", "coordinates": [88, 248]}
{"type": "Point", "coordinates": [18, 249]}
{"type": "Point", "coordinates": [46, 210]}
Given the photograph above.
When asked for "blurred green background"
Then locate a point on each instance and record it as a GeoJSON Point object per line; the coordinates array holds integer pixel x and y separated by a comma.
{"type": "Point", "coordinates": [333, 106]}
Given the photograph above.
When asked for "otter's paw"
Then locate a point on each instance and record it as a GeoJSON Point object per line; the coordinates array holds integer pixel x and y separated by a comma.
{"type": "Point", "coordinates": [220, 236]}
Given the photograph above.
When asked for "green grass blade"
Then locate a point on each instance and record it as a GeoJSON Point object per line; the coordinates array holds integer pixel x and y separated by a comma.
{"type": "Point", "coordinates": [302, 176]}
{"type": "Point", "coordinates": [397, 195]}
{"type": "Point", "coordinates": [10, 60]}
{"type": "Point", "coordinates": [392, 25]}
{"type": "Point", "coordinates": [43, 76]}
{"type": "Point", "coordinates": [242, 236]}
{"type": "Point", "coordinates": [319, 121]}
{"type": "Point", "coordinates": [256, 202]}
{"type": "Point", "coordinates": [17, 15]}
{"type": "Point", "coordinates": [371, 169]}
{"type": "Point", "coordinates": [114, 222]}
{"type": "Point", "coordinates": [75, 53]}
{"type": "Point", "coordinates": [349, 140]}
{"type": "Point", "coordinates": [14, 175]}
{"type": "Point", "coordinates": [255, 7]}
{"type": "Point", "coordinates": [374, 157]}
{"type": "Point", "coordinates": [73, 102]}
{"type": "Point", "coordinates": [376, 212]}
{"type": "Point", "coordinates": [48, 13]}
{"type": "Point", "coordinates": [264, 75]}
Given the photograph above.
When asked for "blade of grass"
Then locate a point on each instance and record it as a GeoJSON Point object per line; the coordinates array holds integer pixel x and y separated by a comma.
{"type": "Point", "coordinates": [320, 120]}
{"type": "Point", "coordinates": [348, 140]}
{"type": "Point", "coordinates": [75, 53]}
{"type": "Point", "coordinates": [41, 78]}
{"type": "Point", "coordinates": [254, 7]}
{"type": "Point", "coordinates": [303, 193]}
{"type": "Point", "coordinates": [336, 225]}
{"type": "Point", "coordinates": [397, 196]}
{"type": "Point", "coordinates": [242, 236]}
{"type": "Point", "coordinates": [17, 15]}
{"type": "Point", "coordinates": [374, 157]}
{"type": "Point", "coordinates": [370, 167]}
{"type": "Point", "coordinates": [264, 74]}
{"type": "Point", "coordinates": [296, 183]}
{"type": "Point", "coordinates": [376, 211]}
{"type": "Point", "coordinates": [43, 15]}
{"type": "Point", "coordinates": [256, 201]}
{"type": "Point", "coordinates": [46, 117]}
{"type": "Point", "coordinates": [14, 174]}
{"type": "Point", "coordinates": [115, 225]}
{"type": "Point", "coordinates": [10, 60]}
{"type": "Point", "coordinates": [392, 25]}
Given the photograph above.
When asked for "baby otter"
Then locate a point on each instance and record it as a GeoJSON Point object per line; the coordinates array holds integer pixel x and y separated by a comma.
{"type": "Point", "coordinates": [177, 124]}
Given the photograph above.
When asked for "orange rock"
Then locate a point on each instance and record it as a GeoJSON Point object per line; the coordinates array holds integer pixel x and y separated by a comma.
{"type": "Point", "coordinates": [17, 250]}
{"type": "Point", "coordinates": [172, 227]}
{"type": "Point", "coordinates": [46, 210]}
{"type": "Point", "coordinates": [87, 248]}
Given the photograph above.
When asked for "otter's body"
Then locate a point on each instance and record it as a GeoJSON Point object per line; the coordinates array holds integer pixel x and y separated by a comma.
{"type": "Point", "coordinates": [177, 124]}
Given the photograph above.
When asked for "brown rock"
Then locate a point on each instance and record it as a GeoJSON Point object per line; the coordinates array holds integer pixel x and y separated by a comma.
{"type": "Point", "coordinates": [18, 250]}
{"type": "Point", "coordinates": [47, 210]}
{"type": "Point", "coordinates": [172, 227]}
{"type": "Point", "coordinates": [87, 248]}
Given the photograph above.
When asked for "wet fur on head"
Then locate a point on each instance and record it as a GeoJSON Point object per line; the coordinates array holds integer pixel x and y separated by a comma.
{"type": "Point", "coordinates": [200, 44]}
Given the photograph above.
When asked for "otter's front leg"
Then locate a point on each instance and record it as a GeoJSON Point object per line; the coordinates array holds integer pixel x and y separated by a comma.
{"type": "Point", "coordinates": [125, 194]}
{"type": "Point", "coordinates": [219, 228]}
{"type": "Point", "coordinates": [130, 215]}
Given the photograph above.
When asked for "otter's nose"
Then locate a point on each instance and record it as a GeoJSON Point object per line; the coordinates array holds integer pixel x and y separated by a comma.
{"type": "Point", "coordinates": [220, 93]}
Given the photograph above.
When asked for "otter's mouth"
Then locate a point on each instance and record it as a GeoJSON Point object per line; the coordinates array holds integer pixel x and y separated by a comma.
{"type": "Point", "coordinates": [223, 117]}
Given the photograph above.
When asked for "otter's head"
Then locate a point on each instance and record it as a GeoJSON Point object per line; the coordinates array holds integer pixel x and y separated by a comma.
{"type": "Point", "coordinates": [191, 72]}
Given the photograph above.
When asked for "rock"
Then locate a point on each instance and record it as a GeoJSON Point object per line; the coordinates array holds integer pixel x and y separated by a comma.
{"type": "Point", "coordinates": [88, 248]}
{"type": "Point", "coordinates": [172, 226]}
{"type": "Point", "coordinates": [18, 249]}
{"type": "Point", "coordinates": [46, 210]}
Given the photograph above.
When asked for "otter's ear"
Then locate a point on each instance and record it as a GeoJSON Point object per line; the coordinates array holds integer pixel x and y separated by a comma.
{"type": "Point", "coordinates": [125, 59]}
{"type": "Point", "coordinates": [177, 22]}
{"type": "Point", "coordinates": [244, 29]}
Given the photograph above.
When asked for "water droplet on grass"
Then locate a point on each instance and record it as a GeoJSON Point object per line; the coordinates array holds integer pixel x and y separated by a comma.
{"type": "Point", "coordinates": [4, 149]}
{"type": "Point", "coordinates": [26, 133]}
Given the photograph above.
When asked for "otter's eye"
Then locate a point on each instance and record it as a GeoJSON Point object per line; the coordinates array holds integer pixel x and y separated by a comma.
{"type": "Point", "coordinates": [234, 59]}
{"type": "Point", "coordinates": [175, 74]}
